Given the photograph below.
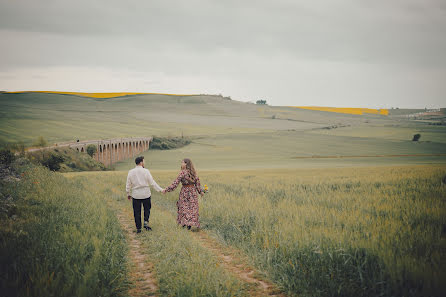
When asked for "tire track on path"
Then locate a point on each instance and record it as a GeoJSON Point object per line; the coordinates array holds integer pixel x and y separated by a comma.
{"type": "Point", "coordinates": [142, 279]}
{"type": "Point", "coordinates": [235, 262]}
{"type": "Point", "coordinates": [232, 261]}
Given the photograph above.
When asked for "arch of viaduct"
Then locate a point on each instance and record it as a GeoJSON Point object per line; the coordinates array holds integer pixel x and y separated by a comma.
{"type": "Point", "coordinates": [111, 151]}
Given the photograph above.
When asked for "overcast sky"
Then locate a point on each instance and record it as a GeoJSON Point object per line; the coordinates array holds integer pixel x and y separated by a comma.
{"type": "Point", "coordinates": [380, 53]}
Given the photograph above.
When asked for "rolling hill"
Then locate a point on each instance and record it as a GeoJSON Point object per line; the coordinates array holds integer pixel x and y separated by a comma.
{"type": "Point", "coordinates": [226, 133]}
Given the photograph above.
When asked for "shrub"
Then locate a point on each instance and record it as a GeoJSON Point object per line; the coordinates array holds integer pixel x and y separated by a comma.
{"type": "Point", "coordinates": [6, 156]}
{"type": "Point", "coordinates": [65, 160]}
{"type": "Point", "coordinates": [91, 150]}
{"type": "Point", "coordinates": [16, 148]}
{"type": "Point", "coordinates": [168, 143]}
{"type": "Point", "coordinates": [52, 161]}
{"type": "Point", "coordinates": [416, 137]}
{"type": "Point", "coordinates": [41, 142]}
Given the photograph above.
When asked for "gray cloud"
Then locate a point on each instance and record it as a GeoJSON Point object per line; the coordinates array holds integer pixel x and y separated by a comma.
{"type": "Point", "coordinates": [347, 51]}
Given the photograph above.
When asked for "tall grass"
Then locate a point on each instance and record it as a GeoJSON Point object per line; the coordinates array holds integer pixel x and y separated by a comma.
{"type": "Point", "coordinates": [56, 239]}
{"type": "Point", "coordinates": [335, 232]}
{"type": "Point", "coordinates": [331, 232]}
{"type": "Point", "coordinates": [183, 267]}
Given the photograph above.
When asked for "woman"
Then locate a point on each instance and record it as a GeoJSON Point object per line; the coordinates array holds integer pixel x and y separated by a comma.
{"type": "Point", "coordinates": [188, 201]}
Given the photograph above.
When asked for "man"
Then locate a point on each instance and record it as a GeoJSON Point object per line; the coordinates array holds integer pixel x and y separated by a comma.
{"type": "Point", "coordinates": [137, 187]}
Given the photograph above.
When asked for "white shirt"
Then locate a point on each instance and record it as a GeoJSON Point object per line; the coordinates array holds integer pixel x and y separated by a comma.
{"type": "Point", "coordinates": [138, 181]}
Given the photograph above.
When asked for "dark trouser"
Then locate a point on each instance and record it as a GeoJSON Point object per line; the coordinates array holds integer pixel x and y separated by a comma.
{"type": "Point", "coordinates": [147, 203]}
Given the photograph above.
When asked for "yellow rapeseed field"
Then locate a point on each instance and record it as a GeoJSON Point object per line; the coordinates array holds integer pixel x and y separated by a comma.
{"type": "Point", "coordinates": [358, 111]}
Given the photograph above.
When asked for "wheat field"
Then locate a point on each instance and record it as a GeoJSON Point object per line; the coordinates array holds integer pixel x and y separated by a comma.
{"type": "Point", "coordinates": [318, 232]}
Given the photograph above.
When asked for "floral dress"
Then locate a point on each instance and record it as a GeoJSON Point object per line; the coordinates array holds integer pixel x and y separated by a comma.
{"type": "Point", "coordinates": [188, 201]}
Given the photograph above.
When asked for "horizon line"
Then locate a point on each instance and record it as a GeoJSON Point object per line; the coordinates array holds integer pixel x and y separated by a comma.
{"type": "Point", "coordinates": [106, 95]}
{"type": "Point", "coordinates": [97, 94]}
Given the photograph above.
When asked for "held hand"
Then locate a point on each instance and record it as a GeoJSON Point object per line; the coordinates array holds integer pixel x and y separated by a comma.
{"type": "Point", "coordinates": [202, 194]}
{"type": "Point", "coordinates": [129, 197]}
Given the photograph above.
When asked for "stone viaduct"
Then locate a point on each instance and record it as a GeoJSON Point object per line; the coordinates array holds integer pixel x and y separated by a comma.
{"type": "Point", "coordinates": [111, 151]}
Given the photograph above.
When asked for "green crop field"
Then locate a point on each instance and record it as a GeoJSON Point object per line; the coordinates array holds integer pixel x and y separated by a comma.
{"type": "Point", "coordinates": [316, 232]}
{"type": "Point", "coordinates": [310, 203]}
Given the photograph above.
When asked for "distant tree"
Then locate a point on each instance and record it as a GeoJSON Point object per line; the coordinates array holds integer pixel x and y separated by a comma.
{"type": "Point", "coordinates": [91, 149]}
{"type": "Point", "coordinates": [261, 102]}
{"type": "Point", "coordinates": [416, 137]}
{"type": "Point", "coordinates": [40, 142]}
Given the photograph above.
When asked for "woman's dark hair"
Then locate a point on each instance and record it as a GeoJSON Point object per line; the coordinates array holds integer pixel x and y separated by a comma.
{"type": "Point", "coordinates": [192, 172]}
{"type": "Point", "coordinates": [139, 159]}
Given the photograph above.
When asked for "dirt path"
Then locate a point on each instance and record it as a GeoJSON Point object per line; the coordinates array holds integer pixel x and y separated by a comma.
{"type": "Point", "coordinates": [143, 282]}
{"type": "Point", "coordinates": [234, 262]}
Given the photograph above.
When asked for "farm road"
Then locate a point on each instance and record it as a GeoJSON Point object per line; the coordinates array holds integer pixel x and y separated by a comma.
{"type": "Point", "coordinates": [142, 276]}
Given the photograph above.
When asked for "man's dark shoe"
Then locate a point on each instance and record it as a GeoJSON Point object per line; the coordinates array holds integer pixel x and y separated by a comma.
{"type": "Point", "coordinates": [138, 230]}
{"type": "Point", "coordinates": [146, 226]}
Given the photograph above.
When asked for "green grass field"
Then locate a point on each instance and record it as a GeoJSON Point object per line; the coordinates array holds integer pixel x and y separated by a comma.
{"type": "Point", "coordinates": [290, 149]}
{"type": "Point", "coordinates": [315, 232]}
{"type": "Point", "coordinates": [321, 204]}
